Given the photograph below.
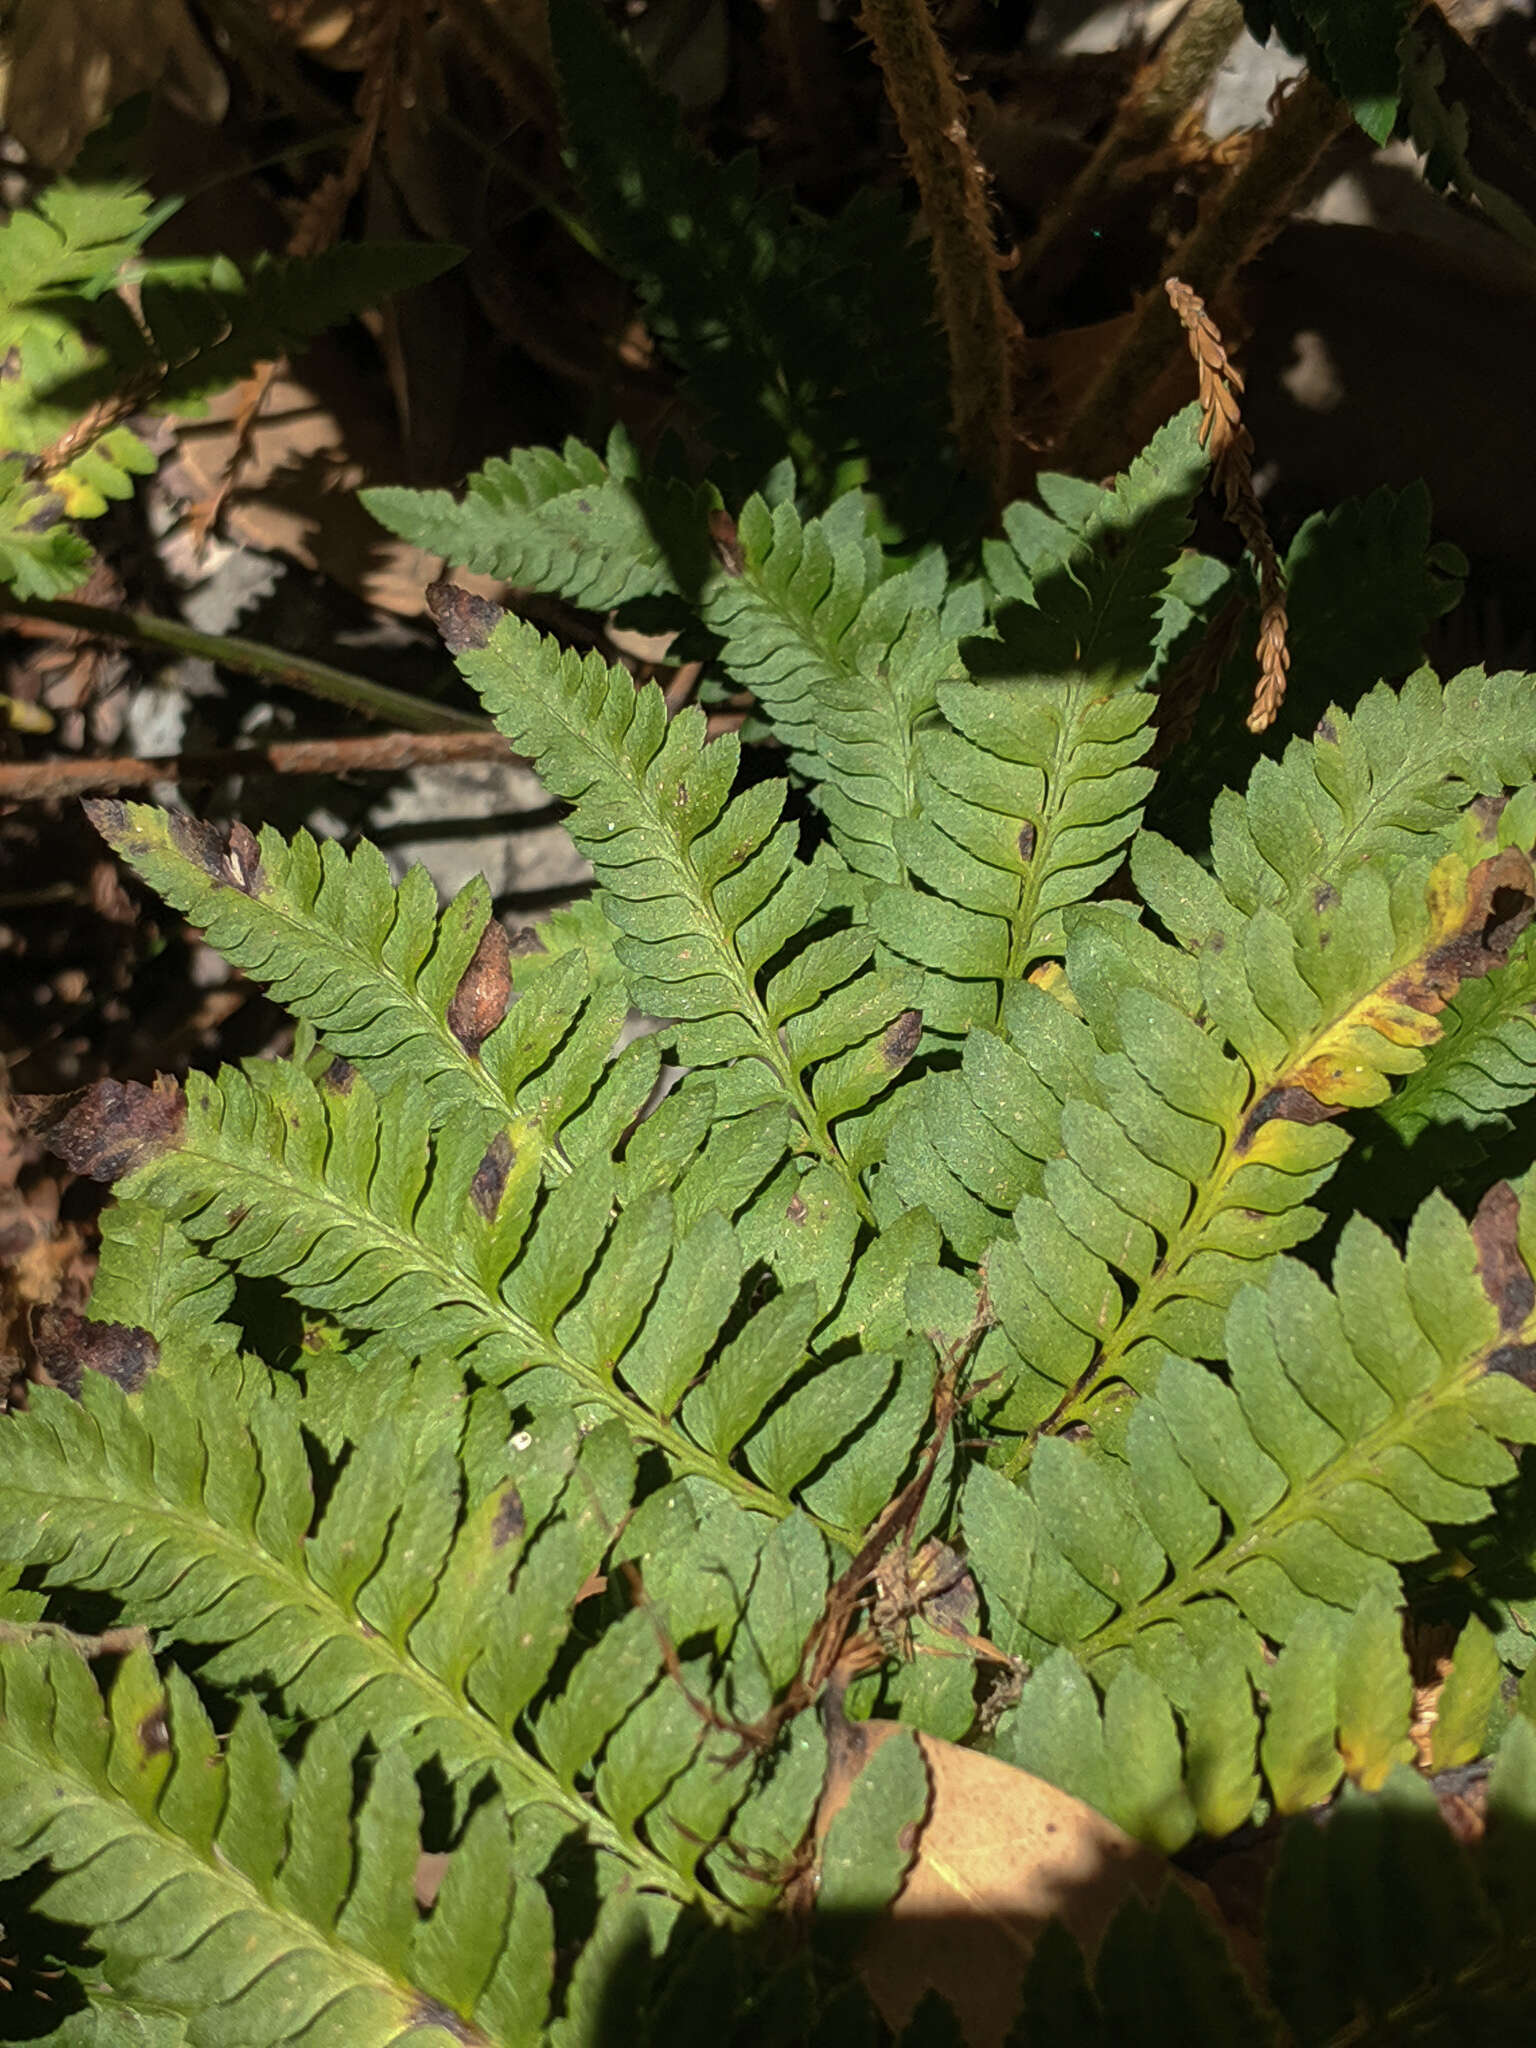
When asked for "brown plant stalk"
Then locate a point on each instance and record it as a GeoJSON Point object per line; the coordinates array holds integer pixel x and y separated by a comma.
{"type": "Point", "coordinates": [1230, 446]}
{"type": "Point", "coordinates": [981, 328]}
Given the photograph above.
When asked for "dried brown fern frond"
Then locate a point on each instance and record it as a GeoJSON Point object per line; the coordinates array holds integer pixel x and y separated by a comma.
{"type": "Point", "coordinates": [1231, 450]}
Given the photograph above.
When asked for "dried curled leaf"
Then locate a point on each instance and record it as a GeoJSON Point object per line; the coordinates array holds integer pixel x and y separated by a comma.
{"type": "Point", "coordinates": [68, 63]}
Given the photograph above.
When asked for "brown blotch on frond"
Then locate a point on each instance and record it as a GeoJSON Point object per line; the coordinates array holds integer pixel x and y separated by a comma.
{"type": "Point", "coordinates": [1230, 446]}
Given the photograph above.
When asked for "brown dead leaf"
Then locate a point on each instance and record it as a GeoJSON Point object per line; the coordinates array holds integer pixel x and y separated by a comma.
{"type": "Point", "coordinates": [65, 64]}
{"type": "Point", "coordinates": [108, 1129]}
{"type": "Point", "coordinates": [1000, 1854]}
{"type": "Point", "coordinates": [1506, 1278]}
{"type": "Point", "coordinates": [68, 1345]}
{"type": "Point", "coordinates": [317, 441]}
{"type": "Point", "coordinates": [465, 621]}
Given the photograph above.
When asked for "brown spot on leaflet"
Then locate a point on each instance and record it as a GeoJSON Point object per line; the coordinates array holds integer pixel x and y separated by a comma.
{"type": "Point", "coordinates": [1295, 1105]}
{"type": "Point", "coordinates": [339, 1077]}
{"type": "Point", "coordinates": [1506, 1279]}
{"type": "Point", "coordinates": [431, 2012]}
{"type": "Point", "coordinates": [154, 1733]}
{"type": "Point", "coordinates": [797, 1211]}
{"type": "Point", "coordinates": [1026, 842]}
{"type": "Point", "coordinates": [241, 864]}
{"type": "Point", "coordinates": [108, 1129]}
{"type": "Point", "coordinates": [509, 1521]}
{"type": "Point", "coordinates": [490, 1181]}
{"type": "Point", "coordinates": [900, 1040]}
{"type": "Point", "coordinates": [1327, 730]}
{"type": "Point", "coordinates": [484, 991]}
{"type": "Point", "coordinates": [465, 621]}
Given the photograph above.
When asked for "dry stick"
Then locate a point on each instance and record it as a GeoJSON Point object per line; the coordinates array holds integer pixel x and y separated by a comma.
{"type": "Point", "coordinates": [254, 658]}
{"type": "Point", "coordinates": [386, 753]}
{"type": "Point", "coordinates": [981, 328]}
{"type": "Point", "coordinates": [1231, 450]}
{"type": "Point", "coordinates": [1247, 213]}
{"type": "Point", "coordinates": [1162, 94]}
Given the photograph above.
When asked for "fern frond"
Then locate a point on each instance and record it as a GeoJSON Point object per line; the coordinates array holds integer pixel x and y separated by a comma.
{"type": "Point", "coordinates": [395, 990]}
{"type": "Point", "coordinates": [709, 893]}
{"type": "Point", "coordinates": [250, 1899]}
{"type": "Point", "coordinates": [1484, 1065]}
{"type": "Point", "coordinates": [72, 345]}
{"type": "Point", "coordinates": [429, 1605]}
{"type": "Point", "coordinates": [600, 531]}
{"type": "Point", "coordinates": [843, 659]}
{"type": "Point", "coordinates": [1373, 787]}
{"type": "Point", "coordinates": [444, 1248]}
{"type": "Point", "coordinates": [150, 1276]}
{"type": "Point", "coordinates": [1263, 1506]}
{"type": "Point", "coordinates": [1030, 785]}
{"type": "Point", "coordinates": [1183, 1164]}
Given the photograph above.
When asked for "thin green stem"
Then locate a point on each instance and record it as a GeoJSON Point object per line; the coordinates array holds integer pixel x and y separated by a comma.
{"type": "Point", "coordinates": [255, 658]}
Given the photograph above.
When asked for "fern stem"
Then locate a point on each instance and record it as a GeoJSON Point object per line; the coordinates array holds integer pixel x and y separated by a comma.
{"type": "Point", "coordinates": [1246, 215]}
{"type": "Point", "coordinates": [255, 658]}
{"type": "Point", "coordinates": [981, 327]}
{"type": "Point", "coordinates": [1165, 90]}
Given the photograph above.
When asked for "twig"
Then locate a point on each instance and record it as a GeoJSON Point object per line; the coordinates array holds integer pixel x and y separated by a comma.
{"type": "Point", "coordinates": [1247, 213]}
{"type": "Point", "coordinates": [112, 1642]}
{"type": "Point", "coordinates": [1231, 451]}
{"type": "Point", "coordinates": [388, 753]}
{"type": "Point", "coordinates": [253, 658]}
{"type": "Point", "coordinates": [1161, 96]}
{"type": "Point", "coordinates": [981, 327]}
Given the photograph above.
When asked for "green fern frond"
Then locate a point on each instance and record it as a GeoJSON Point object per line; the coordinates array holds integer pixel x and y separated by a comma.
{"type": "Point", "coordinates": [446, 1248]}
{"type": "Point", "coordinates": [1030, 785]}
{"type": "Point", "coordinates": [395, 990]}
{"type": "Point", "coordinates": [1373, 787]}
{"type": "Point", "coordinates": [842, 658]}
{"type": "Point", "coordinates": [600, 531]}
{"type": "Point", "coordinates": [249, 1897]}
{"type": "Point", "coordinates": [1484, 1065]}
{"type": "Point", "coordinates": [1148, 1172]}
{"type": "Point", "coordinates": [150, 1276]}
{"type": "Point", "coordinates": [1263, 1506]}
{"type": "Point", "coordinates": [429, 1606]}
{"type": "Point", "coordinates": [72, 344]}
{"type": "Point", "coordinates": [707, 890]}
{"type": "Point", "coordinates": [1147, 1169]}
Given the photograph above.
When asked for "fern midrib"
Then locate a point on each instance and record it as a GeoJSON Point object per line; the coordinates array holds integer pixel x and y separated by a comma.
{"type": "Point", "coordinates": [292, 1588]}
{"type": "Point", "coordinates": [1207, 1201]}
{"type": "Point", "coordinates": [1022, 953]}
{"type": "Point", "coordinates": [215, 1868]}
{"type": "Point", "coordinates": [1302, 1503]}
{"type": "Point", "coordinates": [455, 1285]}
{"type": "Point", "coordinates": [633, 785]}
{"type": "Point", "coordinates": [838, 668]}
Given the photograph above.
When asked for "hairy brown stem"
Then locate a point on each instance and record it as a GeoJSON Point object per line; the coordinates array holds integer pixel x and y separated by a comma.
{"type": "Point", "coordinates": [1163, 93]}
{"type": "Point", "coordinates": [981, 327]}
{"type": "Point", "coordinates": [1247, 213]}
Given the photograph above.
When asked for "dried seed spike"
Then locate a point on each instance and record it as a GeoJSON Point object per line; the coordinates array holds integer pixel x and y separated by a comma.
{"type": "Point", "coordinates": [1231, 450]}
